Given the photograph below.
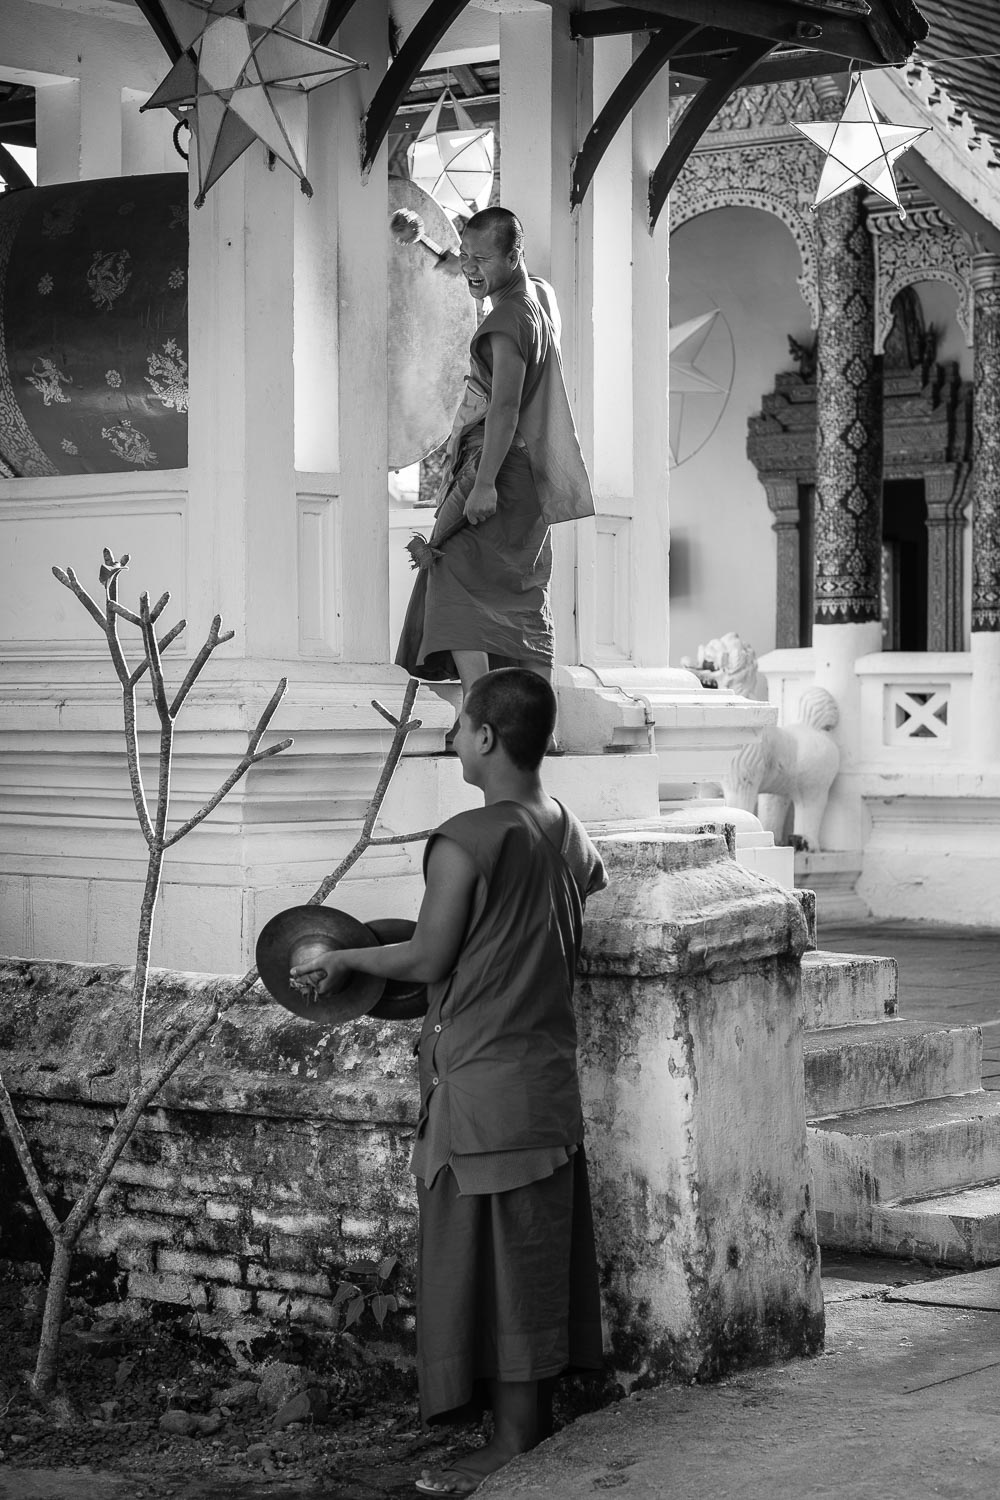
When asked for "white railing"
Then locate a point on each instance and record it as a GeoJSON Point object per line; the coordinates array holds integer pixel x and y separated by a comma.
{"type": "Point", "coordinates": [916, 707]}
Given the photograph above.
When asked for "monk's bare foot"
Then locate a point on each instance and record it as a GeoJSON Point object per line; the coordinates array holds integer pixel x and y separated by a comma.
{"type": "Point", "coordinates": [466, 1474]}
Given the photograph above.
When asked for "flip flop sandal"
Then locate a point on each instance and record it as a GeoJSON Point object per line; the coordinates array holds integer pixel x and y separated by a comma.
{"type": "Point", "coordinates": [438, 1482]}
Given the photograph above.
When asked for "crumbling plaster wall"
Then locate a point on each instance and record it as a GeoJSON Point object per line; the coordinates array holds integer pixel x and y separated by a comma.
{"type": "Point", "coordinates": [278, 1153]}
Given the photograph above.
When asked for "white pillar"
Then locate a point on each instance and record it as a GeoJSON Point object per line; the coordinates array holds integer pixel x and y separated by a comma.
{"type": "Point", "coordinates": [624, 578]}
{"type": "Point", "coordinates": [540, 81]}
{"type": "Point", "coordinates": [241, 506]}
{"type": "Point", "coordinates": [836, 649]}
{"type": "Point", "coordinates": [57, 131]}
{"type": "Point", "coordinates": [363, 241]}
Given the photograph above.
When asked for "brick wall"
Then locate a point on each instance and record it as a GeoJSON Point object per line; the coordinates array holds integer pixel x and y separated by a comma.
{"type": "Point", "coordinates": [277, 1156]}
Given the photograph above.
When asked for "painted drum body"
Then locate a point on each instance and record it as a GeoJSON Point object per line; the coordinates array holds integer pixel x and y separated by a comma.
{"type": "Point", "coordinates": [94, 337]}
{"type": "Point", "coordinates": [94, 346]}
{"type": "Point", "coordinates": [432, 318]}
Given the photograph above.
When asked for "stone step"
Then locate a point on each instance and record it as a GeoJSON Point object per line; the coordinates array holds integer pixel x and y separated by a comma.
{"type": "Point", "coordinates": [880, 1156]}
{"type": "Point", "coordinates": [840, 989]}
{"type": "Point", "coordinates": [951, 1229]}
{"type": "Point", "coordinates": [887, 1062]}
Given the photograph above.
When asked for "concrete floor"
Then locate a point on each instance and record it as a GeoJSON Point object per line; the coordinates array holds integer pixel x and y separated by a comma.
{"type": "Point", "coordinates": [904, 1402]}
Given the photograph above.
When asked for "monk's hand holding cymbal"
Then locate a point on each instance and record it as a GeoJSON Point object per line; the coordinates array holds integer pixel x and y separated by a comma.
{"type": "Point", "coordinates": [481, 503]}
{"type": "Point", "coordinates": [323, 974]}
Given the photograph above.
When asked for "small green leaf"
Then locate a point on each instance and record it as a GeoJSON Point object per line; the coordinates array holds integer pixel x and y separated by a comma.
{"type": "Point", "coordinates": [354, 1311]}
{"type": "Point", "coordinates": [380, 1306]}
{"type": "Point", "coordinates": [345, 1290]}
{"type": "Point", "coordinates": [362, 1268]}
{"type": "Point", "coordinates": [387, 1266]}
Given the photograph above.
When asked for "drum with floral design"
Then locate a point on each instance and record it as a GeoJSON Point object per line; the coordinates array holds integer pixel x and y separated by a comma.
{"type": "Point", "coordinates": [93, 326]}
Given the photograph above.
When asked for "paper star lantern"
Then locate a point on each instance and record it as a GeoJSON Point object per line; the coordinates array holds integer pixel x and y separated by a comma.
{"type": "Point", "coordinates": [686, 342]}
{"type": "Point", "coordinates": [244, 76]}
{"type": "Point", "coordinates": [454, 166]}
{"type": "Point", "coordinates": [859, 149]}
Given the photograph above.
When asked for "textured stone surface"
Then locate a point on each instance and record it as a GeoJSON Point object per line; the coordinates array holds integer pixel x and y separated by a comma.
{"type": "Point", "coordinates": [279, 1153]}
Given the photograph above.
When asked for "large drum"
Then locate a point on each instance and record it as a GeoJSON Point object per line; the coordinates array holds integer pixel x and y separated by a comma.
{"type": "Point", "coordinates": [431, 320]}
{"type": "Point", "coordinates": [93, 303]}
{"type": "Point", "coordinates": [93, 328]}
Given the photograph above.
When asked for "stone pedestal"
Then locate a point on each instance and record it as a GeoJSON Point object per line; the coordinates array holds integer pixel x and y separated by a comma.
{"type": "Point", "coordinates": [691, 1066]}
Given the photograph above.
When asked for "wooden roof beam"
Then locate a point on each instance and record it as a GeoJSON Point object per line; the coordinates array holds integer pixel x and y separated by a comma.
{"type": "Point", "coordinates": [336, 14]}
{"type": "Point", "coordinates": [698, 116]}
{"type": "Point", "coordinates": [403, 69]}
{"type": "Point", "coordinates": [876, 38]}
{"type": "Point", "coordinates": [651, 60]}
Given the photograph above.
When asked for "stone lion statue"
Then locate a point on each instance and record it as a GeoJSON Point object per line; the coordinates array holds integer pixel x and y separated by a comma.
{"type": "Point", "coordinates": [794, 766]}
{"type": "Point", "coordinates": [728, 662]}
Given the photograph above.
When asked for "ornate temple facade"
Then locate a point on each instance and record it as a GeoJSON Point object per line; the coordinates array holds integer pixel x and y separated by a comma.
{"type": "Point", "coordinates": [855, 468]}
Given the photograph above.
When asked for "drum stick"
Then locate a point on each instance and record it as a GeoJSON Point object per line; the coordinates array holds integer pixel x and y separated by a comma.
{"type": "Point", "coordinates": [407, 228]}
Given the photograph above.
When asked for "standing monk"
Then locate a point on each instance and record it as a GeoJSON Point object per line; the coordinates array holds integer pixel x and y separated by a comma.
{"type": "Point", "coordinates": [507, 1283]}
{"type": "Point", "coordinates": [514, 468]}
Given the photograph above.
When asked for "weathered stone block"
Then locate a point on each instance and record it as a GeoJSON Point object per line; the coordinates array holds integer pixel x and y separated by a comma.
{"type": "Point", "coordinates": [692, 1072]}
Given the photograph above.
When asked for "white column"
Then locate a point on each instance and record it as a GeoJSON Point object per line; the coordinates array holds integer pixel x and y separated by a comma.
{"type": "Point", "coordinates": [836, 649]}
{"type": "Point", "coordinates": [624, 586]}
{"type": "Point", "coordinates": [540, 80]}
{"type": "Point", "coordinates": [241, 506]}
{"type": "Point", "coordinates": [363, 250]}
{"type": "Point", "coordinates": [57, 131]}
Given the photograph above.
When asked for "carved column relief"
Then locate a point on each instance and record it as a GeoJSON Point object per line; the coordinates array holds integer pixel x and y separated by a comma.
{"type": "Point", "coordinates": [986, 444]}
{"type": "Point", "coordinates": [925, 246]}
{"type": "Point", "coordinates": [783, 499]}
{"type": "Point", "coordinates": [848, 521]}
{"type": "Point", "coordinates": [945, 496]}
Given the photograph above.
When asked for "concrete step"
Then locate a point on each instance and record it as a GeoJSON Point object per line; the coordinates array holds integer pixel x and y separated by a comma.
{"type": "Point", "coordinates": [906, 1151]}
{"type": "Point", "coordinates": [886, 1062]}
{"type": "Point", "coordinates": [840, 989]}
{"type": "Point", "coordinates": [951, 1229]}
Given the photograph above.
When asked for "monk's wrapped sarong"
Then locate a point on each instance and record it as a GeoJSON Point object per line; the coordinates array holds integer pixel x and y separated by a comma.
{"type": "Point", "coordinates": [507, 1286]}
{"type": "Point", "coordinates": [488, 589]}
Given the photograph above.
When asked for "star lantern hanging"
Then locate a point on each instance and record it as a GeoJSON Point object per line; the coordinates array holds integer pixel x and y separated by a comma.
{"type": "Point", "coordinates": [859, 149]}
{"type": "Point", "coordinates": [686, 342]}
{"type": "Point", "coordinates": [243, 76]}
{"type": "Point", "coordinates": [454, 166]}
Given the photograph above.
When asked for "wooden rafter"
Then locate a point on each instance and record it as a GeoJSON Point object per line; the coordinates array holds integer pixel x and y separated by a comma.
{"type": "Point", "coordinates": [336, 14]}
{"type": "Point", "coordinates": [652, 59]}
{"type": "Point", "coordinates": [412, 55]}
{"type": "Point", "coordinates": [153, 11]}
{"type": "Point", "coordinates": [698, 116]}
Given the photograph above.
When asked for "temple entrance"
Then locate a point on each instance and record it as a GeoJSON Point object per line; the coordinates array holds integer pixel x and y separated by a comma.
{"type": "Point", "coordinates": [904, 565]}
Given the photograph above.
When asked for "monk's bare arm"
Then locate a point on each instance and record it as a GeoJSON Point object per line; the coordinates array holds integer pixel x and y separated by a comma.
{"type": "Point", "coordinates": [500, 425]}
{"type": "Point", "coordinates": [433, 949]}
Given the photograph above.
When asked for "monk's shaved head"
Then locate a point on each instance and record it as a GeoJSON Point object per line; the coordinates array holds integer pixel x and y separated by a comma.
{"type": "Point", "coordinates": [520, 708]}
{"type": "Point", "coordinates": [503, 225]}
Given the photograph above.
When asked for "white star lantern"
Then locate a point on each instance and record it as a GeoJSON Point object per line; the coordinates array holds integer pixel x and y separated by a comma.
{"type": "Point", "coordinates": [246, 68]}
{"type": "Point", "coordinates": [859, 149]}
{"type": "Point", "coordinates": [686, 341]}
{"type": "Point", "coordinates": [454, 166]}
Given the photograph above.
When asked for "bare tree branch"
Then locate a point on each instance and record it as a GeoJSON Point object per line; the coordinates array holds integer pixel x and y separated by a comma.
{"type": "Point", "coordinates": [267, 716]}
{"type": "Point", "coordinates": [402, 838]}
{"type": "Point", "coordinates": [163, 643]}
{"type": "Point", "coordinates": [226, 787]}
{"type": "Point", "coordinates": [159, 607]}
{"type": "Point", "coordinates": [123, 613]}
{"type": "Point", "coordinates": [153, 657]}
{"type": "Point", "coordinates": [28, 1167]}
{"type": "Point", "coordinates": [212, 640]}
{"type": "Point", "coordinates": [69, 579]}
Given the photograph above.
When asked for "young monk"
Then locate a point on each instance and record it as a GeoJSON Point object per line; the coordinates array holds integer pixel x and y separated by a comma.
{"type": "Point", "coordinates": [507, 1293]}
